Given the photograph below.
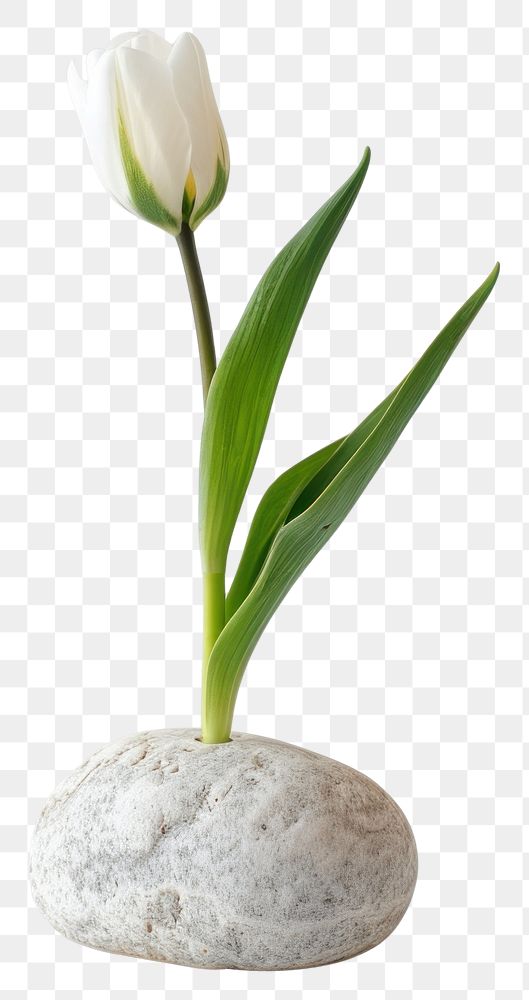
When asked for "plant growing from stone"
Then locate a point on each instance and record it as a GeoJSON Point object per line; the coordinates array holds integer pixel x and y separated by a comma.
{"type": "Point", "coordinates": [157, 142]}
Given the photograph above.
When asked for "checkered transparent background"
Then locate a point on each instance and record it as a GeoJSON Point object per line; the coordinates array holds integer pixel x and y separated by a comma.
{"type": "Point", "coordinates": [401, 651]}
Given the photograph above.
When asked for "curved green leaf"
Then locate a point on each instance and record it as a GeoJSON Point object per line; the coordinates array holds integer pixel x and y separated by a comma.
{"type": "Point", "coordinates": [343, 453]}
{"type": "Point", "coordinates": [244, 385]}
{"type": "Point", "coordinates": [271, 514]}
{"type": "Point", "coordinates": [288, 496]}
{"type": "Point", "coordinates": [301, 538]}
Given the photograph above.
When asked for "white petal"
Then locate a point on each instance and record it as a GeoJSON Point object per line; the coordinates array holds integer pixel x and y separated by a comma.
{"type": "Point", "coordinates": [155, 125]}
{"type": "Point", "coordinates": [93, 57]}
{"type": "Point", "coordinates": [125, 38]}
{"type": "Point", "coordinates": [99, 120]}
{"type": "Point", "coordinates": [77, 87]}
{"type": "Point", "coordinates": [146, 41]}
{"type": "Point", "coordinates": [153, 43]}
{"type": "Point", "coordinates": [194, 93]}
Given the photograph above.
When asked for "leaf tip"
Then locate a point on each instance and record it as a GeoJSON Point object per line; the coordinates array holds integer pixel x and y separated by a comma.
{"type": "Point", "coordinates": [491, 279]}
{"type": "Point", "coordinates": [357, 178]}
{"type": "Point", "coordinates": [364, 163]}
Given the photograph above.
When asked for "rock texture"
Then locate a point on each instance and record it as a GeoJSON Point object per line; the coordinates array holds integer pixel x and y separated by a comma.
{"type": "Point", "coordinates": [252, 854]}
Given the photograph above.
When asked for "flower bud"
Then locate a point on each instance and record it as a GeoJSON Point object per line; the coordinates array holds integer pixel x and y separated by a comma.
{"type": "Point", "coordinates": [152, 127]}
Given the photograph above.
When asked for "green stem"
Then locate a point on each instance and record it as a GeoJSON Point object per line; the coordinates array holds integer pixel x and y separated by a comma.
{"type": "Point", "coordinates": [218, 703]}
{"type": "Point", "coordinates": [213, 585]}
{"type": "Point", "coordinates": [214, 619]}
{"type": "Point", "coordinates": [199, 303]}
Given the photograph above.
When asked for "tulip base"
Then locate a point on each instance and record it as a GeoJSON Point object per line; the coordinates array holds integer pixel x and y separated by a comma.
{"type": "Point", "coordinates": [251, 854]}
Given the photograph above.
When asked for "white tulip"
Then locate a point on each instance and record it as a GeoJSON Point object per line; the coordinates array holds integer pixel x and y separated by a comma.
{"type": "Point", "coordinates": [152, 127]}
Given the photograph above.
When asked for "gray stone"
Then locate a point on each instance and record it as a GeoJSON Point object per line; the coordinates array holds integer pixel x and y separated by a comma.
{"type": "Point", "coordinates": [252, 854]}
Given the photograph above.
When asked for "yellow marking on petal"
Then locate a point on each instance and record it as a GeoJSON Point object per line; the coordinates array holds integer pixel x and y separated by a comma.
{"type": "Point", "coordinates": [190, 193]}
{"type": "Point", "coordinates": [191, 188]}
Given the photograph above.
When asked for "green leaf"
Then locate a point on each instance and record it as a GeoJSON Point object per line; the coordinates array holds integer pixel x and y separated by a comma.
{"type": "Point", "coordinates": [289, 496]}
{"type": "Point", "coordinates": [298, 541]}
{"type": "Point", "coordinates": [244, 385]}
{"type": "Point", "coordinates": [343, 453]}
{"type": "Point", "coordinates": [271, 514]}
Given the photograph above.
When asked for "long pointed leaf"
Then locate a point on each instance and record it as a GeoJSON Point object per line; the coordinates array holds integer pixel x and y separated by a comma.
{"type": "Point", "coordinates": [271, 514]}
{"type": "Point", "coordinates": [301, 538]}
{"type": "Point", "coordinates": [244, 385]}
{"type": "Point", "coordinates": [340, 456]}
{"type": "Point", "coordinates": [288, 496]}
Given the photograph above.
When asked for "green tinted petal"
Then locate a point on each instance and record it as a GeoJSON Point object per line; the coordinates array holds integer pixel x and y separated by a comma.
{"type": "Point", "coordinates": [142, 192]}
{"type": "Point", "coordinates": [215, 196]}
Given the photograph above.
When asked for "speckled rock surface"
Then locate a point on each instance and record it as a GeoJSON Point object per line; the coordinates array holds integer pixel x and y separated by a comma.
{"type": "Point", "coordinates": [252, 854]}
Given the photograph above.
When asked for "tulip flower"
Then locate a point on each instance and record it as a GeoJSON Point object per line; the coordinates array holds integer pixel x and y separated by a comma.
{"type": "Point", "coordinates": [156, 140]}
{"type": "Point", "coordinates": [152, 127]}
